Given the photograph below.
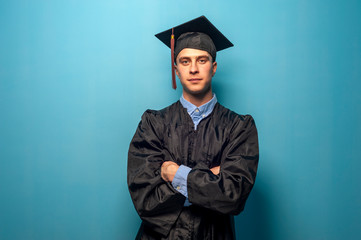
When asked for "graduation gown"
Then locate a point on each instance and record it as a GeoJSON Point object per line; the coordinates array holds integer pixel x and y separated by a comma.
{"type": "Point", "coordinates": [223, 139]}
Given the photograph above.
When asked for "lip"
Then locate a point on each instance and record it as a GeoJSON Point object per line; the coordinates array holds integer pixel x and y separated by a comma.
{"type": "Point", "coordinates": [194, 79]}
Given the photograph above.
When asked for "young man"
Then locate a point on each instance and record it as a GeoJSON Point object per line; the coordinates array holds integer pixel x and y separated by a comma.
{"type": "Point", "coordinates": [192, 165]}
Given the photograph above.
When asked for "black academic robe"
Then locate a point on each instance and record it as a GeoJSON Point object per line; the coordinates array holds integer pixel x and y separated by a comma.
{"type": "Point", "coordinates": [223, 139]}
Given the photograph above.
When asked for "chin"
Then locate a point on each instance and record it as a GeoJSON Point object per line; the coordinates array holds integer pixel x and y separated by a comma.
{"type": "Point", "coordinates": [197, 91]}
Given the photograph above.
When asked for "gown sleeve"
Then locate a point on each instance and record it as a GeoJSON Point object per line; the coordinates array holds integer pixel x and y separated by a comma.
{"type": "Point", "coordinates": [227, 192]}
{"type": "Point", "coordinates": [155, 200]}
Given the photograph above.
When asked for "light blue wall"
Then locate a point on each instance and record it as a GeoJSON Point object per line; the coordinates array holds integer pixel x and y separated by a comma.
{"type": "Point", "coordinates": [75, 77]}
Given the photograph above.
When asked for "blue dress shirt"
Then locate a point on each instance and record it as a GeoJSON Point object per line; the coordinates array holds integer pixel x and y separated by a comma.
{"type": "Point", "coordinates": [197, 114]}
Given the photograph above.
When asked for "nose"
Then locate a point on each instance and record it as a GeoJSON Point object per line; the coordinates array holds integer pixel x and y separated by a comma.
{"type": "Point", "coordinates": [193, 68]}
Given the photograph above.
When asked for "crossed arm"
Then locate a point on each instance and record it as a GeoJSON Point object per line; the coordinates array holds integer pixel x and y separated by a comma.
{"type": "Point", "coordinates": [169, 169]}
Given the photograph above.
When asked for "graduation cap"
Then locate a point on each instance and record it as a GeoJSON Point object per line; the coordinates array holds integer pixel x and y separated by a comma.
{"type": "Point", "coordinates": [198, 33]}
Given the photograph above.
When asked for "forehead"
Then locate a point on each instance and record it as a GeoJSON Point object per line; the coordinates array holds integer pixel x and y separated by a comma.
{"type": "Point", "coordinates": [191, 52]}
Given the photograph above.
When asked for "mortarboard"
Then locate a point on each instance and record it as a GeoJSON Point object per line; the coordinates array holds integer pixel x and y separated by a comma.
{"type": "Point", "coordinates": [198, 33]}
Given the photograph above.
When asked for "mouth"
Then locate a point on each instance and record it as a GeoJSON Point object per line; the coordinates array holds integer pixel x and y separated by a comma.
{"type": "Point", "coordinates": [194, 79]}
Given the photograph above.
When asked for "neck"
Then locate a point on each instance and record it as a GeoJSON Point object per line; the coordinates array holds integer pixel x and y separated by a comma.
{"type": "Point", "coordinates": [198, 99]}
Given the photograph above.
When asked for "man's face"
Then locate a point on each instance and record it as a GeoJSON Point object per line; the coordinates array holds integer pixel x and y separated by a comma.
{"type": "Point", "coordinates": [195, 70]}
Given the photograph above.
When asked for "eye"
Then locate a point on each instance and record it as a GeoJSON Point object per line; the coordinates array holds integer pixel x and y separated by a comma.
{"type": "Point", "coordinates": [184, 62]}
{"type": "Point", "coordinates": [202, 60]}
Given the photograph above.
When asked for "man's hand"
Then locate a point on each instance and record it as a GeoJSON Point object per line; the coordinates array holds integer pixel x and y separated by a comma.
{"type": "Point", "coordinates": [215, 170]}
{"type": "Point", "coordinates": [168, 170]}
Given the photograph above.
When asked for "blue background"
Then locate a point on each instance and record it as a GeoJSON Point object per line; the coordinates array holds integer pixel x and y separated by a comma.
{"type": "Point", "coordinates": [76, 76]}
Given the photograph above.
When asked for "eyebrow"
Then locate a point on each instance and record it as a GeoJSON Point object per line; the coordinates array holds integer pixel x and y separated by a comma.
{"type": "Point", "coordinates": [200, 56]}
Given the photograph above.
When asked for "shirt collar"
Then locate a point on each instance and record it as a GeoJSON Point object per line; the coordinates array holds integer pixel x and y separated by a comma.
{"type": "Point", "coordinates": [204, 109]}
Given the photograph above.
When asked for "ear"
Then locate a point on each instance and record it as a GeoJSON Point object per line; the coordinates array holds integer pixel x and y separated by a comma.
{"type": "Point", "coordinates": [176, 69]}
{"type": "Point", "coordinates": [214, 68]}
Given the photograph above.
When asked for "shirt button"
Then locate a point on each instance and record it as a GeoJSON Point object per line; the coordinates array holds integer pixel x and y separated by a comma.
{"type": "Point", "coordinates": [197, 110]}
{"type": "Point", "coordinates": [178, 187]}
{"type": "Point", "coordinates": [203, 115]}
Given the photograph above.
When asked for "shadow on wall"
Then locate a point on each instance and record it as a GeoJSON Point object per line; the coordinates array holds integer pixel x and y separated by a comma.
{"type": "Point", "coordinates": [254, 223]}
{"type": "Point", "coordinates": [225, 90]}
